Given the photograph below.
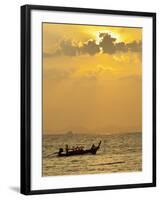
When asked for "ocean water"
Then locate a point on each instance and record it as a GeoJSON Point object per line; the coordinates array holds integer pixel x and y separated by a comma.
{"type": "Point", "coordinates": [117, 153]}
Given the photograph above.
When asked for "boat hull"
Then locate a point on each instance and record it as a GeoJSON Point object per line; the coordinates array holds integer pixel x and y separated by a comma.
{"type": "Point", "coordinates": [79, 152]}
{"type": "Point", "coordinates": [93, 150]}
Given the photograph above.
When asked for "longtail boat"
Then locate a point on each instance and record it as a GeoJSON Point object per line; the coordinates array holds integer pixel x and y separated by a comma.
{"type": "Point", "coordinates": [78, 151]}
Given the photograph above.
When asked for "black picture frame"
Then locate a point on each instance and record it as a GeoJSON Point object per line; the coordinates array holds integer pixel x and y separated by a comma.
{"type": "Point", "coordinates": [26, 98]}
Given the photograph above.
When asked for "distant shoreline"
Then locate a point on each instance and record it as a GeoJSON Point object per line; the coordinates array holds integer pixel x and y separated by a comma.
{"type": "Point", "coordinates": [75, 133]}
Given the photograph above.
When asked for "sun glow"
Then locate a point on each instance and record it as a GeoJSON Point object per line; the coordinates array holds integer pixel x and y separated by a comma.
{"type": "Point", "coordinates": [95, 35]}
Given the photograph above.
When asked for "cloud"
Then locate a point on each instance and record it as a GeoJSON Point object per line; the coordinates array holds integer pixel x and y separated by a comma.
{"type": "Point", "coordinates": [137, 78]}
{"type": "Point", "coordinates": [110, 46]}
{"type": "Point", "coordinates": [107, 45]}
{"type": "Point", "coordinates": [135, 46]}
{"type": "Point", "coordinates": [47, 55]}
{"type": "Point", "coordinates": [121, 47]}
{"type": "Point", "coordinates": [68, 48]}
{"type": "Point", "coordinates": [90, 47]}
{"type": "Point", "coordinates": [59, 73]}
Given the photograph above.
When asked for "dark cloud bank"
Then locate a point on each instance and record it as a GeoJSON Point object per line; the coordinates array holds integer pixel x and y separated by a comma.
{"type": "Point", "coordinates": [106, 45]}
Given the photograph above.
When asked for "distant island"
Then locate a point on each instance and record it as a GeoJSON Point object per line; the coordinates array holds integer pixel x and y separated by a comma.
{"type": "Point", "coordinates": [69, 133]}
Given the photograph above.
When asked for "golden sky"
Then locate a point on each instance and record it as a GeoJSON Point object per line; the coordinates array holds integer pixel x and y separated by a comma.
{"type": "Point", "coordinates": [91, 79]}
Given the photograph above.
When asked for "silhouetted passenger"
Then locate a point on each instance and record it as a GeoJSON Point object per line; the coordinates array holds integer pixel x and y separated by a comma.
{"type": "Point", "coordinates": [93, 146]}
{"type": "Point", "coordinates": [67, 149]}
{"type": "Point", "coordinates": [60, 151]}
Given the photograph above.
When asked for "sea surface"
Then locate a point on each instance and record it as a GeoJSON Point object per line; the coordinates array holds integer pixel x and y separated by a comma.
{"type": "Point", "coordinates": [117, 153]}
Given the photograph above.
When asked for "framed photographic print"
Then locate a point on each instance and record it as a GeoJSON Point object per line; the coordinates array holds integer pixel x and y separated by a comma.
{"type": "Point", "coordinates": [88, 99]}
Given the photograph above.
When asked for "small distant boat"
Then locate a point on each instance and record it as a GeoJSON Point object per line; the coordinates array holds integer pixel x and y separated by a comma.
{"type": "Point", "coordinates": [78, 150]}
